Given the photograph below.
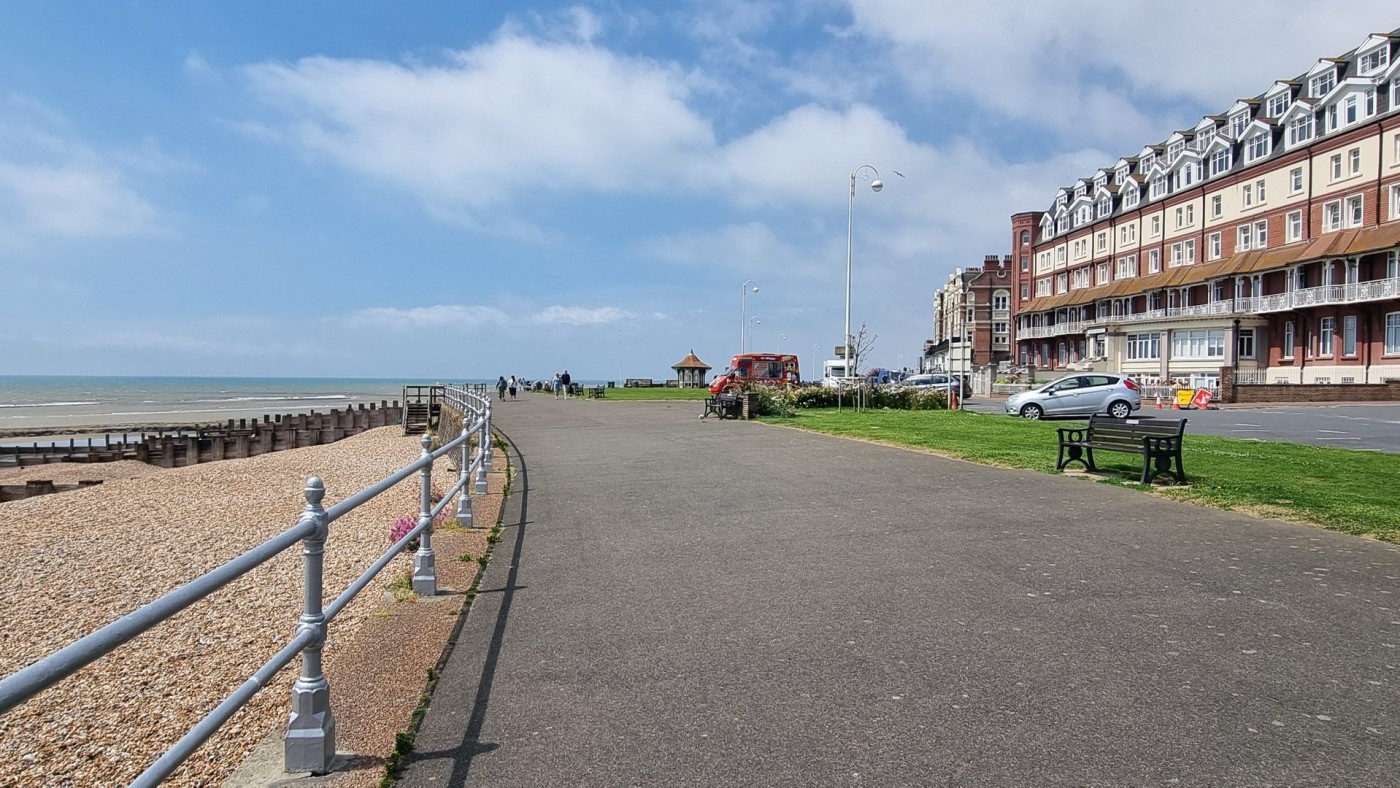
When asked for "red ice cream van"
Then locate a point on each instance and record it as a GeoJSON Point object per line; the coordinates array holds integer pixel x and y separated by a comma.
{"type": "Point", "coordinates": [768, 369]}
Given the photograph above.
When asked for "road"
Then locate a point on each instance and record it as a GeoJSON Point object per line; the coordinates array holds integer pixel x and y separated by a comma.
{"type": "Point", "coordinates": [1369, 427]}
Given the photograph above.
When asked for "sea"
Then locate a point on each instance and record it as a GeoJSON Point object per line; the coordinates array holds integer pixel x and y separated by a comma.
{"type": "Point", "coordinates": [52, 402]}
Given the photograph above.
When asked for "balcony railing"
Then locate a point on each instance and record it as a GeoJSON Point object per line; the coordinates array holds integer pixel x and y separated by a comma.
{"type": "Point", "coordinates": [1376, 290]}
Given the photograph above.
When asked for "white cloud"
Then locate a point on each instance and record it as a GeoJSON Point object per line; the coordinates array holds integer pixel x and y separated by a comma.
{"type": "Point", "coordinates": [437, 316]}
{"type": "Point", "coordinates": [580, 316]}
{"type": "Point", "coordinates": [53, 184]}
{"type": "Point", "coordinates": [1099, 71]}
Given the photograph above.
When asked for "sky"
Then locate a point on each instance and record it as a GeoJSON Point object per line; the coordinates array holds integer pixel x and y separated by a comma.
{"type": "Point", "coordinates": [456, 190]}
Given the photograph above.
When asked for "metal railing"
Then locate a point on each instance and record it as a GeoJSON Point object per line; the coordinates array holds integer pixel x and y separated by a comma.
{"type": "Point", "coordinates": [309, 743]}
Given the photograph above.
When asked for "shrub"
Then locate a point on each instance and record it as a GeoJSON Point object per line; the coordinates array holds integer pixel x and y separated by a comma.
{"type": "Point", "coordinates": [400, 529]}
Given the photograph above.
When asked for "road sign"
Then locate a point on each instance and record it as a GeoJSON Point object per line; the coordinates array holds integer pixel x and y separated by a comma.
{"type": "Point", "coordinates": [1202, 399]}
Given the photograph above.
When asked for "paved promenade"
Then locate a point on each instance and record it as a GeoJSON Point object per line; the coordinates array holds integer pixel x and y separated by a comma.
{"type": "Point", "coordinates": [686, 602]}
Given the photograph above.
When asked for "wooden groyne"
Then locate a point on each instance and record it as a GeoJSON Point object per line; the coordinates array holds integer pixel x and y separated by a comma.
{"type": "Point", "coordinates": [178, 447]}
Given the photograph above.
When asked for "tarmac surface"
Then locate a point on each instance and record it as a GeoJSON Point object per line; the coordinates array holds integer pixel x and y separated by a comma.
{"type": "Point", "coordinates": [680, 601]}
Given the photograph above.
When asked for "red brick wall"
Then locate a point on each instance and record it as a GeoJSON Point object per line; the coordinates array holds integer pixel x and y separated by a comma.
{"type": "Point", "coordinates": [1310, 392]}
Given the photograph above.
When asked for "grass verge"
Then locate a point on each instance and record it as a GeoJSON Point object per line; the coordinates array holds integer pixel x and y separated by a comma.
{"type": "Point", "coordinates": [1338, 489]}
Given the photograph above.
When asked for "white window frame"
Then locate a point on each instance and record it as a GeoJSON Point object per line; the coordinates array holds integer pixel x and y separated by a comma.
{"type": "Point", "coordinates": [1220, 162]}
{"type": "Point", "coordinates": [1261, 234]}
{"type": "Point", "coordinates": [1154, 261]}
{"type": "Point", "coordinates": [1326, 335]}
{"type": "Point", "coordinates": [1247, 194]}
{"type": "Point", "coordinates": [1258, 147]}
{"type": "Point", "coordinates": [1278, 104]}
{"type": "Point", "coordinates": [1290, 339]}
{"type": "Point", "coordinates": [1216, 206]}
{"type": "Point", "coordinates": [1198, 343]}
{"type": "Point", "coordinates": [1395, 200]}
{"type": "Point", "coordinates": [1349, 336]}
{"type": "Point", "coordinates": [1354, 210]}
{"type": "Point", "coordinates": [1145, 347]}
{"type": "Point", "coordinates": [1295, 180]}
{"type": "Point", "coordinates": [1322, 84]}
{"type": "Point", "coordinates": [1300, 129]}
{"type": "Point", "coordinates": [1332, 216]}
{"type": "Point", "coordinates": [1336, 167]}
{"type": "Point", "coordinates": [1392, 334]}
{"type": "Point", "coordinates": [1354, 161]}
{"type": "Point", "coordinates": [1244, 238]}
{"type": "Point", "coordinates": [1294, 225]}
{"type": "Point", "coordinates": [1215, 246]}
{"type": "Point", "coordinates": [1127, 267]}
{"type": "Point", "coordinates": [1244, 343]}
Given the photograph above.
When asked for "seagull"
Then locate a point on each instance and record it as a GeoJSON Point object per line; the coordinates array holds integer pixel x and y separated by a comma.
{"type": "Point", "coordinates": [897, 172]}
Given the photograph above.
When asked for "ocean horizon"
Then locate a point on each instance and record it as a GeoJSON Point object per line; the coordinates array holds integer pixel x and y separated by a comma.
{"type": "Point", "coordinates": [44, 402]}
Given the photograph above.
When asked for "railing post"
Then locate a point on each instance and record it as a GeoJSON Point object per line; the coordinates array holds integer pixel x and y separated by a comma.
{"type": "Point", "coordinates": [309, 745]}
{"type": "Point", "coordinates": [486, 431]}
{"type": "Point", "coordinates": [464, 499]}
{"type": "Point", "coordinates": [424, 562]}
{"type": "Point", "coordinates": [483, 443]}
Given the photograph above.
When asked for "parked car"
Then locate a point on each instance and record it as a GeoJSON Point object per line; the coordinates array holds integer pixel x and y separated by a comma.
{"type": "Point", "coordinates": [937, 380]}
{"type": "Point", "coordinates": [1078, 395]}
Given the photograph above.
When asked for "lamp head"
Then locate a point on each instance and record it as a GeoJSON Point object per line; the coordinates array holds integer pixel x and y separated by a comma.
{"type": "Point", "coordinates": [876, 185]}
{"type": "Point", "coordinates": [755, 288]}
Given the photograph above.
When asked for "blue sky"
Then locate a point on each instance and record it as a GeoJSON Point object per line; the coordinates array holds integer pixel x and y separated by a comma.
{"type": "Point", "coordinates": [457, 190]}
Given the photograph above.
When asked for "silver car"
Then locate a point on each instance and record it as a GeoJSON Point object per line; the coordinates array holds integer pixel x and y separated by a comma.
{"type": "Point", "coordinates": [1078, 395]}
{"type": "Point", "coordinates": [937, 380]}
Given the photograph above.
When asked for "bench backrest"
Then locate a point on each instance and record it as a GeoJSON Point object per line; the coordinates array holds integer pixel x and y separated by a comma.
{"type": "Point", "coordinates": [1106, 430]}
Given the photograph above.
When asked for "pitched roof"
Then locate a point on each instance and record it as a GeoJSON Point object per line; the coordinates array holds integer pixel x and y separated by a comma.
{"type": "Point", "coordinates": [690, 362]}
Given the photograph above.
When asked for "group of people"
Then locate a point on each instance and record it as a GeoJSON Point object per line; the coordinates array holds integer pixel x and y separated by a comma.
{"type": "Point", "coordinates": [503, 385]}
{"type": "Point", "coordinates": [562, 386]}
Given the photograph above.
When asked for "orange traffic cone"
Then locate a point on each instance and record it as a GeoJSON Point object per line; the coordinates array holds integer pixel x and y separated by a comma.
{"type": "Point", "coordinates": [1159, 402]}
{"type": "Point", "coordinates": [1174, 405]}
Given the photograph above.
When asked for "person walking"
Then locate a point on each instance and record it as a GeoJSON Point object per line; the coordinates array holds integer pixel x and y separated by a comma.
{"type": "Point", "coordinates": [566, 380]}
{"type": "Point", "coordinates": [557, 386]}
{"type": "Point", "coordinates": [510, 384]}
{"type": "Point", "coordinates": [501, 387]}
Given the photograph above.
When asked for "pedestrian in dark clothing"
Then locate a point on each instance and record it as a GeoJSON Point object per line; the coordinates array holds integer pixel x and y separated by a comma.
{"type": "Point", "coordinates": [566, 380]}
{"type": "Point", "coordinates": [501, 387]}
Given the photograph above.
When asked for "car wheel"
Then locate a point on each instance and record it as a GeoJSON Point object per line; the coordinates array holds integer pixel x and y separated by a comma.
{"type": "Point", "coordinates": [1119, 409]}
{"type": "Point", "coordinates": [1032, 412]}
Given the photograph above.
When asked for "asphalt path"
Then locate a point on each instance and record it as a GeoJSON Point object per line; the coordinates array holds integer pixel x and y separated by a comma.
{"type": "Point", "coordinates": [689, 602]}
{"type": "Point", "coordinates": [1367, 427]}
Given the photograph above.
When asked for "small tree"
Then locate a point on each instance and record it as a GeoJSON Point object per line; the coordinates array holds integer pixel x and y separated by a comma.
{"type": "Point", "coordinates": [864, 345]}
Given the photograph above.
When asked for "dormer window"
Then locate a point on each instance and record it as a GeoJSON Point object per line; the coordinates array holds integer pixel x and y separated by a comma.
{"type": "Point", "coordinates": [1130, 197]}
{"type": "Point", "coordinates": [1120, 175]}
{"type": "Point", "coordinates": [1278, 105]}
{"type": "Point", "coordinates": [1105, 206]}
{"type": "Point", "coordinates": [1257, 147]}
{"type": "Point", "coordinates": [1159, 187]}
{"type": "Point", "coordinates": [1205, 138]}
{"type": "Point", "coordinates": [1322, 84]}
{"type": "Point", "coordinates": [1375, 60]}
{"type": "Point", "coordinates": [1220, 162]}
{"type": "Point", "coordinates": [1186, 176]}
{"type": "Point", "coordinates": [1300, 129]}
{"type": "Point", "coordinates": [1237, 123]}
{"type": "Point", "coordinates": [1079, 191]}
{"type": "Point", "coordinates": [1081, 216]}
{"type": "Point", "coordinates": [1062, 224]}
{"type": "Point", "coordinates": [1146, 163]}
{"type": "Point", "coordinates": [1175, 150]}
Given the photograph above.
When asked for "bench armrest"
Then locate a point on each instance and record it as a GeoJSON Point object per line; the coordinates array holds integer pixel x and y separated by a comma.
{"type": "Point", "coordinates": [1071, 434]}
{"type": "Point", "coordinates": [1155, 443]}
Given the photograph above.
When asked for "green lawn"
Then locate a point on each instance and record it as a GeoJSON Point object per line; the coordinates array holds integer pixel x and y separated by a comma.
{"type": "Point", "coordinates": [1342, 490]}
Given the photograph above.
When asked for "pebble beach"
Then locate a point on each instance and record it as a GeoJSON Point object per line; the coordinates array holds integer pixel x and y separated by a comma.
{"type": "Point", "coordinates": [75, 561]}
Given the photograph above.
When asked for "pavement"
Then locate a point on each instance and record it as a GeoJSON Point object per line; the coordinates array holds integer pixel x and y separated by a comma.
{"type": "Point", "coordinates": [680, 601]}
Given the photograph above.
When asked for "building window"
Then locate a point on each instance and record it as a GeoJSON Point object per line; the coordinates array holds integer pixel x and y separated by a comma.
{"type": "Point", "coordinates": [1156, 226]}
{"type": "Point", "coordinates": [1295, 180]}
{"type": "Point", "coordinates": [1258, 147]}
{"type": "Point", "coordinates": [1001, 301]}
{"type": "Point", "coordinates": [1392, 334]}
{"type": "Point", "coordinates": [1349, 335]}
{"type": "Point", "coordinates": [1154, 261]}
{"type": "Point", "coordinates": [1261, 233]}
{"type": "Point", "coordinates": [1332, 216]}
{"type": "Point", "coordinates": [1392, 265]}
{"type": "Point", "coordinates": [1146, 347]}
{"type": "Point", "coordinates": [1127, 267]}
{"type": "Point", "coordinates": [1237, 124]}
{"type": "Point", "coordinates": [1326, 328]}
{"type": "Point", "coordinates": [1198, 344]}
{"type": "Point", "coordinates": [1288, 339]}
{"type": "Point", "coordinates": [1336, 163]}
{"type": "Point", "coordinates": [1215, 207]}
{"type": "Point", "coordinates": [1295, 226]}
{"type": "Point", "coordinates": [1025, 237]}
{"type": "Point", "coordinates": [1375, 60]}
{"type": "Point", "coordinates": [1244, 238]}
{"type": "Point", "coordinates": [1354, 161]}
{"type": "Point", "coordinates": [1219, 162]}
{"type": "Point", "coordinates": [1395, 200]}
{"type": "Point", "coordinates": [1025, 263]}
{"type": "Point", "coordinates": [1244, 343]}
{"type": "Point", "coordinates": [1159, 187]}
{"type": "Point", "coordinates": [1355, 210]}
{"type": "Point", "coordinates": [1300, 129]}
{"type": "Point", "coordinates": [1025, 291]}
{"type": "Point", "coordinates": [1216, 249]}
{"type": "Point", "coordinates": [1277, 105]}
{"type": "Point", "coordinates": [1259, 191]}
{"type": "Point", "coordinates": [1101, 241]}
{"type": "Point", "coordinates": [1247, 194]}
{"type": "Point", "coordinates": [1322, 84]}
{"type": "Point", "coordinates": [1103, 273]}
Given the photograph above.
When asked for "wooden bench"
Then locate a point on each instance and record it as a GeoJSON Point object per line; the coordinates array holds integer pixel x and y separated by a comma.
{"type": "Point", "coordinates": [723, 405]}
{"type": "Point", "coordinates": [597, 392]}
{"type": "Point", "coordinates": [1157, 440]}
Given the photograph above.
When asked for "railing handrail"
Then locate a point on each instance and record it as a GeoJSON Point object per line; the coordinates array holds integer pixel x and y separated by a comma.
{"type": "Point", "coordinates": [310, 742]}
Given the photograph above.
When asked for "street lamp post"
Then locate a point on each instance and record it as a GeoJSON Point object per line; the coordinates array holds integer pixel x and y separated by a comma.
{"type": "Point", "coordinates": [754, 321]}
{"type": "Point", "coordinates": [743, 307]}
{"type": "Point", "coordinates": [875, 185]}
{"type": "Point", "coordinates": [816, 348]}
